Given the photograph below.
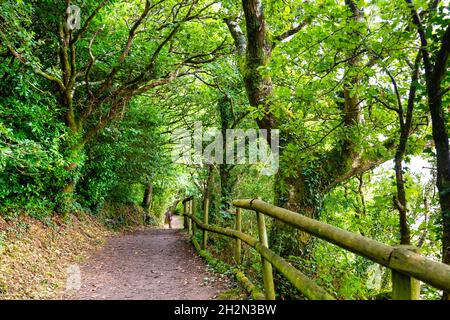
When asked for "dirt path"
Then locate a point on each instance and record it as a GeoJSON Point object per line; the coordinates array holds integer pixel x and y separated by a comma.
{"type": "Point", "coordinates": [151, 264]}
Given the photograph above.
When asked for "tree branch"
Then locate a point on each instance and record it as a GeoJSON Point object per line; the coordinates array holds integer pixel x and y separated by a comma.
{"type": "Point", "coordinates": [288, 33]}
{"type": "Point", "coordinates": [158, 82]}
{"type": "Point", "coordinates": [38, 71]}
{"type": "Point", "coordinates": [131, 35]}
{"type": "Point", "coordinates": [423, 40]}
{"type": "Point", "coordinates": [386, 105]}
{"type": "Point", "coordinates": [238, 36]}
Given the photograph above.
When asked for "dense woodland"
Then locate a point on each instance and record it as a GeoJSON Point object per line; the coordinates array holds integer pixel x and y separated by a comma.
{"type": "Point", "coordinates": [359, 89]}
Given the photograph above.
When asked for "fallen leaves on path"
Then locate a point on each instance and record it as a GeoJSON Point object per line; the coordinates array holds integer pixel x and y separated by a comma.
{"type": "Point", "coordinates": [34, 256]}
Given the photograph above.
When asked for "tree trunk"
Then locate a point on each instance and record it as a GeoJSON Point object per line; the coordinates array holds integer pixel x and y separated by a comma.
{"type": "Point", "coordinates": [210, 191]}
{"type": "Point", "coordinates": [440, 138]}
{"type": "Point", "coordinates": [227, 181]}
{"type": "Point", "coordinates": [400, 200]}
{"type": "Point", "coordinates": [72, 154]}
{"type": "Point", "coordinates": [434, 75]}
{"type": "Point", "coordinates": [405, 130]}
{"type": "Point", "coordinates": [299, 196]}
{"type": "Point", "coordinates": [147, 201]}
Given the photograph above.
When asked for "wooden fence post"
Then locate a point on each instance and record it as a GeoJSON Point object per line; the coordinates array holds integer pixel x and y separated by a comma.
{"type": "Point", "coordinates": [185, 218]}
{"type": "Point", "coordinates": [194, 228]}
{"type": "Point", "coordinates": [238, 243]}
{"type": "Point", "coordinates": [194, 225]}
{"type": "Point", "coordinates": [192, 214]}
{"type": "Point", "coordinates": [189, 218]}
{"type": "Point", "coordinates": [269, 286]}
{"type": "Point", "coordinates": [404, 287]}
{"type": "Point", "coordinates": [205, 221]}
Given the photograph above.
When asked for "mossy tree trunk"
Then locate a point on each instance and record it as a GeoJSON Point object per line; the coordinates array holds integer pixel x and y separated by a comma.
{"type": "Point", "coordinates": [435, 66]}
{"type": "Point", "coordinates": [147, 200]}
{"type": "Point", "coordinates": [227, 179]}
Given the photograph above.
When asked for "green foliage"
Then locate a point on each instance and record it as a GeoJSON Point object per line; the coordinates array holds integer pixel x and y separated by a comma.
{"type": "Point", "coordinates": [351, 276]}
{"type": "Point", "coordinates": [32, 140]}
{"type": "Point", "coordinates": [120, 215]}
{"type": "Point", "coordinates": [125, 157]}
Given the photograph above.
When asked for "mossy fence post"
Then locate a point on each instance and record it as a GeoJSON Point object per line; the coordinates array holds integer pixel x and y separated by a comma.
{"type": "Point", "coordinates": [189, 219]}
{"type": "Point", "coordinates": [269, 286]}
{"type": "Point", "coordinates": [404, 287]}
{"type": "Point", "coordinates": [205, 221]}
{"type": "Point", "coordinates": [238, 242]}
{"type": "Point", "coordinates": [185, 218]}
{"type": "Point", "coordinates": [194, 224]}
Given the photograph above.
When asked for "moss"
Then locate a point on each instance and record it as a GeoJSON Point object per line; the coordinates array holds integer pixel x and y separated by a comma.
{"type": "Point", "coordinates": [248, 285]}
{"type": "Point", "coordinates": [231, 294]}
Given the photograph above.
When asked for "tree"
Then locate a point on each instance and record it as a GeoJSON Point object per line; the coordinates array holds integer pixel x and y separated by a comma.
{"type": "Point", "coordinates": [94, 81]}
{"type": "Point", "coordinates": [435, 66]}
{"type": "Point", "coordinates": [301, 188]}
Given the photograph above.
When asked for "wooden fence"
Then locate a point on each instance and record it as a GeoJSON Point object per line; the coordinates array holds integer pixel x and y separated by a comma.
{"type": "Point", "coordinates": [407, 265]}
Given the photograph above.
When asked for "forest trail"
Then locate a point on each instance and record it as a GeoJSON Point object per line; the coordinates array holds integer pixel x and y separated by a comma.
{"type": "Point", "coordinates": [153, 264]}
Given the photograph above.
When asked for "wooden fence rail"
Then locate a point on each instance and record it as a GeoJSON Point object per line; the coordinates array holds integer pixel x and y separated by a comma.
{"type": "Point", "coordinates": [406, 264]}
{"type": "Point", "coordinates": [298, 279]}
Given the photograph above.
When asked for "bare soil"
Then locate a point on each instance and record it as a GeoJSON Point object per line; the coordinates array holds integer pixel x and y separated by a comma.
{"type": "Point", "coordinates": [151, 264]}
